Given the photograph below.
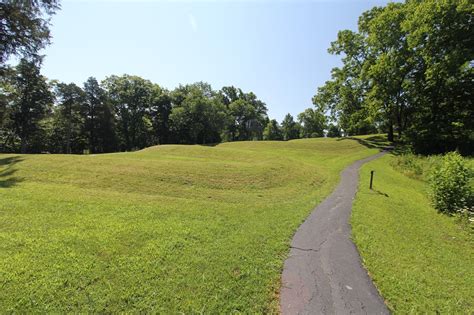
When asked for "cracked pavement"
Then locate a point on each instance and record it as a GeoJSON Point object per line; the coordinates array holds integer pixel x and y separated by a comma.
{"type": "Point", "coordinates": [323, 273]}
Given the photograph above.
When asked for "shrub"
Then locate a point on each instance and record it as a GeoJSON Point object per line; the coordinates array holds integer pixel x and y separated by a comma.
{"type": "Point", "coordinates": [450, 189]}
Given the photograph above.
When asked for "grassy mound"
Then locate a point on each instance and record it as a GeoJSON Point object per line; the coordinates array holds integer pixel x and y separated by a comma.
{"type": "Point", "coordinates": [421, 260]}
{"type": "Point", "coordinates": [170, 228]}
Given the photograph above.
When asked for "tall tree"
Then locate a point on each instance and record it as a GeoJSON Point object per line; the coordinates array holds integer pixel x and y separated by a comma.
{"type": "Point", "coordinates": [289, 128]}
{"type": "Point", "coordinates": [247, 114]}
{"type": "Point", "coordinates": [386, 65]}
{"type": "Point", "coordinates": [70, 121]}
{"type": "Point", "coordinates": [409, 69]}
{"type": "Point", "coordinates": [131, 97]}
{"type": "Point", "coordinates": [312, 122]}
{"type": "Point", "coordinates": [24, 27]}
{"type": "Point", "coordinates": [440, 35]}
{"type": "Point", "coordinates": [333, 131]}
{"type": "Point", "coordinates": [198, 115]}
{"type": "Point", "coordinates": [344, 95]}
{"type": "Point", "coordinates": [99, 118]}
{"type": "Point", "coordinates": [7, 94]}
{"type": "Point", "coordinates": [30, 104]}
{"type": "Point", "coordinates": [160, 110]}
{"type": "Point", "coordinates": [272, 131]}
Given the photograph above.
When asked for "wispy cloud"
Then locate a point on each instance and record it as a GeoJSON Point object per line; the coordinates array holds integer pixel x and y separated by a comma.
{"type": "Point", "coordinates": [192, 22]}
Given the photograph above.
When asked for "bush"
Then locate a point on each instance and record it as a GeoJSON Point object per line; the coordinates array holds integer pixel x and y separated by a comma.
{"type": "Point", "coordinates": [450, 189]}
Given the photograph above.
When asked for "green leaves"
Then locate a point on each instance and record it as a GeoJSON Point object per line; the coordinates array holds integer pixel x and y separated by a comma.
{"type": "Point", "coordinates": [272, 131]}
{"type": "Point", "coordinates": [450, 190]}
{"type": "Point", "coordinates": [312, 122]}
{"type": "Point", "coordinates": [24, 27]}
{"type": "Point", "coordinates": [247, 114]}
{"type": "Point", "coordinates": [29, 105]}
{"type": "Point", "coordinates": [409, 69]}
{"type": "Point", "coordinates": [197, 115]}
{"type": "Point", "coordinates": [134, 100]}
{"type": "Point", "coordinates": [289, 128]}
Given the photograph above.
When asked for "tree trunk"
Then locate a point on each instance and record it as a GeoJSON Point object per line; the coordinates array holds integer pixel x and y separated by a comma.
{"type": "Point", "coordinates": [390, 131]}
{"type": "Point", "coordinates": [4, 149]}
{"type": "Point", "coordinates": [68, 129]}
{"type": "Point", "coordinates": [92, 142]}
{"type": "Point", "coordinates": [23, 145]}
{"type": "Point", "coordinates": [399, 123]}
{"type": "Point", "coordinates": [68, 138]}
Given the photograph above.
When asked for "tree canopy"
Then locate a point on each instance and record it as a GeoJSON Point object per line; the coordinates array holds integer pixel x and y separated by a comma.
{"type": "Point", "coordinates": [407, 70]}
{"type": "Point", "coordinates": [24, 29]}
{"type": "Point", "coordinates": [125, 113]}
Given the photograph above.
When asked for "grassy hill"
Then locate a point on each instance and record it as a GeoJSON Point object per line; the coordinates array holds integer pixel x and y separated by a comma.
{"type": "Point", "coordinates": [175, 228]}
{"type": "Point", "coordinates": [421, 260]}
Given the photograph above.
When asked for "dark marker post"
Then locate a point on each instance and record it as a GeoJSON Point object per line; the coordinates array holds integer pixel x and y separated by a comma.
{"type": "Point", "coordinates": [371, 178]}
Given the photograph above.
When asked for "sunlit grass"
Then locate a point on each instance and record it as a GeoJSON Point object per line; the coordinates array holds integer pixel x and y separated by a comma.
{"type": "Point", "coordinates": [170, 228]}
{"type": "Point", "coordinates": [421, 261]}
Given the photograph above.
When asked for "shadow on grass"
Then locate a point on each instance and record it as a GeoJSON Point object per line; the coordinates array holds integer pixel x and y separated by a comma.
{"type": "Point", "coordinates": [380, 193]}
{"type": "Point", "coordinates": [380, 142]}
{"type": "Point", "coordinates": [210, 144]}
{"type": "Point", "coordinates": [373, 142]}
{"type": "Point", "coordinates": [7, 178]}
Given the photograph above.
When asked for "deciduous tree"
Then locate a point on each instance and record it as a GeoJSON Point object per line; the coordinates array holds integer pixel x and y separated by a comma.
{"type": "Point", "coordinates": [272, 131]}
{"type": "Point", "coordinates": [312, 122]}
{"type": "Point", "coordinates": [99, 124]}
{"type": "Point", "coordinates": [289, 128]}
{"type": "Point", "coordinates": [24, 27]}
{"type": "Point", "coordinates": [30, 103]}
{"type": "Point", "coordinates": [70, 119]}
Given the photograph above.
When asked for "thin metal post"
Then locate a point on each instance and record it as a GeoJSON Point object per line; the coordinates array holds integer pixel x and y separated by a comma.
{"type": "Point", "coordinates": [371, 178]}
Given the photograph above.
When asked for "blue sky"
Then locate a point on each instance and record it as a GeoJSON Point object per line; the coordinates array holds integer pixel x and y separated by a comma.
{"type": "Point", "coordinates": [276, 49]}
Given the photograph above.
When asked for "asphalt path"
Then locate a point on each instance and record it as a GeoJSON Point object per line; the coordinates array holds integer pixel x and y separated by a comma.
{"type": "Point", "coordinates": [323, 273]}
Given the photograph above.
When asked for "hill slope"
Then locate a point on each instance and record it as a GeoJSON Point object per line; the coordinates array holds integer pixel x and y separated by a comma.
{"type": "Point", "coordinates": [175, 228]}
{"type": "Point", "coordinates": [421, 260]}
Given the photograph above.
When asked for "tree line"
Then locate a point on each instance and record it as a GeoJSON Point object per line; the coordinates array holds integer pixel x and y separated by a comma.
{"type": "Point", "coordinates": [125, 113]}
{"type": "Point", "coordinates": [121, 113]}
{"type": "Point", "coordinates": [409, 71]}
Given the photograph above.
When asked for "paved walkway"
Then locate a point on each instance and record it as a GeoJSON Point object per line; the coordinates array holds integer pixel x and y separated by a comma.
{"type": "Point", "coordinates": [323, 273]}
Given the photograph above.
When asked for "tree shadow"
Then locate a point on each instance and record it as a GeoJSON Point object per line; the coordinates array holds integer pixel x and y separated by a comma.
{"type": "Point", "coordinates": [380, 142]}
{"type": "Point", "coordinates": [209, 144]}
{"type": "Point", "coordinates": [7, 178]}
{"type": "Point", "coordinates": [374, 142]}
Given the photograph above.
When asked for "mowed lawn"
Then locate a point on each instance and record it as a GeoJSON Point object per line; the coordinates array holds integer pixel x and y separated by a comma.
{"type": "Point", "coordinates": [170, 228]}
{"type": "Point", "coordinates": [421, 261]}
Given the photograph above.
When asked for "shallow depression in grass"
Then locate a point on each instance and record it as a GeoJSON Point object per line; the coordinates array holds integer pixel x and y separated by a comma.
{"type": "Point", "coordinates": [169, 228]}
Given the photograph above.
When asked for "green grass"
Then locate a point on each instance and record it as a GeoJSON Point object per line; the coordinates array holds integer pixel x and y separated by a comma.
{"type": "Point", "coordinates": [420, 260]}
{"type": "Point", "coordinates": [170, 228]}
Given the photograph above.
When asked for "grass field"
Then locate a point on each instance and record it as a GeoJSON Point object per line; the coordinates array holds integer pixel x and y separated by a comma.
{"type": "Point", "coordinates": [170, 228]}
{"type": "Point", "coordinates": [421, 261]}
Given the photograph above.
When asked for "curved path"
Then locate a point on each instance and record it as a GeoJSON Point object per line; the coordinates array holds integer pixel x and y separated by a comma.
{"type": "Point", "coordinates": [323, 273]}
